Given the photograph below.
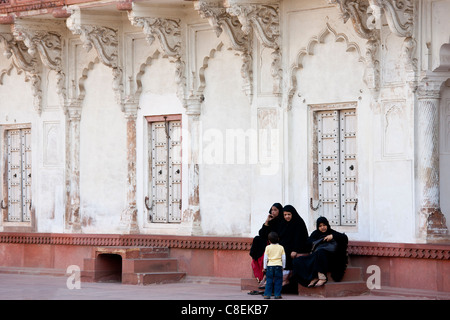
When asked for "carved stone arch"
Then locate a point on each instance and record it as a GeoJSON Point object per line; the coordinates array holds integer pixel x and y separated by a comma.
{"type": "Point", "coordinates": [24, 61]}
{"type": "Point", "coordinates": [141, 72]}
{"type": "Point", "coordinates": [309, 51]}
{"type": "Point", "coordinates": [7, 72]}
{"type": "Point", "coordinates": [444, 58]}
{"type": "Point", "coordinates": [201, 73]}
{"type": "Point", "coordinates": [84, 76]}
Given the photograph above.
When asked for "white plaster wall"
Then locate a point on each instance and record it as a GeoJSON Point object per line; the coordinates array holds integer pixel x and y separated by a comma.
{"type": "Point", "coordinates": [235, 196]}
{"type": "Point", "coordinates": [440, 29]}
{"type": "Point", "coordinates": [158, 97]}
{"type": "Point", "coordinates": [444, 160]}
{"type": "Point", "coordinates": [50, 174]}
{"type": "Point", "coordinates": [103, 166]}
{"type": "Point", "coordinates": [225, 184]}
{"type": "Point", "coordinates": [331, 73]}
{"type": "Point", "coordinates": [17, 98]}
{"type": "Point", "coordinates": [16, 108]}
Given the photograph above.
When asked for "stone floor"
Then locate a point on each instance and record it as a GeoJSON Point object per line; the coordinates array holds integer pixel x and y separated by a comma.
{"type": "Point", "coordinates": [47, 287]}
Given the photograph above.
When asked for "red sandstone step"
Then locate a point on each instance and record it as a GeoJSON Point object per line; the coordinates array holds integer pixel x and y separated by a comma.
{"type": "Point", "coordinates": [150, 265]}
{"type": "Point", "coordinates": [154, 252]}
{"type": "Point", "coordinates": [162, 277]}
{"type": "Point", "coordinates": [335, 289]}
{"type": "Point", "coordinates": [152, 277]}
{"type": "Point", "coordinates": [134, 252]}
{"type": "Point", "coordinates": [351, 274]}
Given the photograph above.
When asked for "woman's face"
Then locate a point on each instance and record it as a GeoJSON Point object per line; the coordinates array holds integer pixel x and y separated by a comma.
{"type": "Point", "coordinates": [274, 212]}
{"type": "Point", "coordinates": [287, 216]}
{"type": "Point", "coordinates": [323, 227]}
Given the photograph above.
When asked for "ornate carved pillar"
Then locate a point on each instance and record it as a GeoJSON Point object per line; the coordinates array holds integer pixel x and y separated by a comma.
{"type": "Point", "coordinates": [191, 216]}
{"type": "Point", "coordinates": [73, 217]}
{"type": "Point", "coordinates": [432, 222]}
{"type": "Point", "coordinates": [129, 216]}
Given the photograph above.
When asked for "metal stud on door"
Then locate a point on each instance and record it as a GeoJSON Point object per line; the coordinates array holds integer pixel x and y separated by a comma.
{"type": "Point", "coordinates": [159, 172]}
{"type": "Point", "coordinates": [337, 166]}
{"type": "Point", "coordinates": [328, 165]}
{"type": "Point", "coordinates": [166, 171]}
{"type": "Point", "coordinates": [175, 171]}
{"type": "Point", "coordinates": [348, 166]}
{"type": "Point", "coordinates": [19, 175]}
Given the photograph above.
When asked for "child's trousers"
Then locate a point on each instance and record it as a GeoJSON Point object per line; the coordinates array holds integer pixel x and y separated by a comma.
{"type": "Point", "coordinates": [274, 281]}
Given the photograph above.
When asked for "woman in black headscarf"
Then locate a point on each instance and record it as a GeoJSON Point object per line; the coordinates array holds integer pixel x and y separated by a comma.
{"type": "Point", "coordinates": [272, 223]}
{"type": "Point", "coordinates": [293, 236]}
{"type": "Point", "coordinates": [328, 254]}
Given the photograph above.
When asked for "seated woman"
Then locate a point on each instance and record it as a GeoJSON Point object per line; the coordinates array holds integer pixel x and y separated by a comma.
{"type": "Point", "coordinates": [293, 236]}
{"type": "Point", "coordinates": [272, 223]}
{"type": "Point", "coordinates": [328, 254]}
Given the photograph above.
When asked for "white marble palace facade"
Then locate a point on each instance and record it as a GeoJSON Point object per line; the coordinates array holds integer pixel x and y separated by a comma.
{"type": "Point", "coordinates": [194, 117]}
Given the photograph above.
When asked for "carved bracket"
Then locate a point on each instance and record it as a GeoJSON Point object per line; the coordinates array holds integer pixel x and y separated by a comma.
{"type": "Point", "coordinates": [366, 15]}
{"type": "Point", "coordinates": [168, 32]}
{"type": "Point", "coordinates": [105, 41]}
{"type": "Point", "coordinates": [399, 15]}
{"type": "Point", "coordinates": [48, 45]}
{"type": "Point", "coordinates": [265, 21]}
{"type": "Point", "coordinates": [362, 15]}
{"type": "Point", "coordinates": [222, 21]}
{"type": "Point", "coordinates": [24, 61]}
{"type": "Point", "coordinates": [366, 18]}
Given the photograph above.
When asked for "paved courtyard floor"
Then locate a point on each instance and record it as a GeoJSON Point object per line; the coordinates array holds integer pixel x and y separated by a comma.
{"type": "Point", "coordinates": [47, 287]}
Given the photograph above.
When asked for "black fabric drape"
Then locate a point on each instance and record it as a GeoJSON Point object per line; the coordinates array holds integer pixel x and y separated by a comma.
{"type": "Point", "coordinates": [306, 267]}
{"type": "Point", "coordinates": [260, 241]}
{"type": "Point", "coordinates": [293, 235]}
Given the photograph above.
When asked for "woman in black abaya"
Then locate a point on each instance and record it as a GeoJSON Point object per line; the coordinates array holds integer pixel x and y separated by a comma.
{"type": "Point", "coordinates": [272, 223]}
{"type": "Point", "coordinates": [329, 254]}
{"type": "Point", "coordinates": [293, 237]}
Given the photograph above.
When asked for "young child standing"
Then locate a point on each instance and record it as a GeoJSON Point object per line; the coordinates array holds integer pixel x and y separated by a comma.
{"type": "Point", "coordinates": [274, 263]}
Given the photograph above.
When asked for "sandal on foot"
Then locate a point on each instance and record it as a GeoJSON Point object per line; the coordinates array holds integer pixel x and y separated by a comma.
{"type": "Point", "coordinates": [320, 283]}
{"type": "Point", "coordinates": [313, 283]}
{"type": "Point", "coordinates": [255, 292]}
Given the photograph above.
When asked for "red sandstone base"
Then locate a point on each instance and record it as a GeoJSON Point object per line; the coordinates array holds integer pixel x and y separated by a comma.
{"type": "Point", "coordinates": [409, 266]}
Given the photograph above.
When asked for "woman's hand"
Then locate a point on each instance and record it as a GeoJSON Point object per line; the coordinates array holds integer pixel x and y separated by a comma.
{"type": "Point", "coordinates": [328, 238]}
{"type": "Point", "coordinates": [269, 218]}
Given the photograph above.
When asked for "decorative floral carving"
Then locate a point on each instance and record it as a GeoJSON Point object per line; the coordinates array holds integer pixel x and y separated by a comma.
{"type": "Point", "coordinates": [264, 20]}
{"type": "Point", "coordinates": [24, 61]}
{"type": "Point", "coordinates": [48, 45]}
{"type": "Point", "coordinates": [168, 32]}
{"type": "Point", "coordinates": [221, 21]}
{"type": "Point", "coordinates": [361, 17]}
{"type": "Point", "coordinates": [399, 15]}
{"type": "Point", "coordinates": [366, 15]}
{"type": "Point", "coordinates": [105, 40]}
